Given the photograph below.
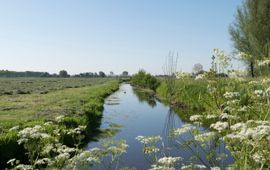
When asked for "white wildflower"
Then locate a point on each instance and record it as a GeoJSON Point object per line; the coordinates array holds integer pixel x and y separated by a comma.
{"type": "Point", "coordinates": [200, 77]}
{"type": "Point", "coordinates": [161, 167]}
{"type": "Point", "coordinates": [259, 157]}
{"type": "Point", "coordinates": [243, 109]}
{"type": "Point", "coordinates": [231, 95]}
{"type": "Point", "coordinates": [59, 118]}
{"type": "Point", "coordinates": [179, 131]}
{"type": "Point", "coordinates": [31, 134]}
{"type": "Point", "coordinates": [93, 160]}
{"type": "Point", "coordinates": [24, 167]}
{"type": "Point", "coordinates": [148, 139]}
{"type": "Point", "coordinates": [205, 136]}
{"type": "Point", "coordinates": [263, 63]}
{"type": "Point", "coordinates": [195, 118]}
{"type": "Point", "coordinates": [225, 116]}
{"type": "Point", "coordinates": [238, 126]}
{"type": "Point", "coordinates": [150, 150]}
{"type": "Point", "coordinates": [211, 116]}
{"type": "Point", "coordinates": [169, 160]}
{"type": "Point", "coordinates": [42, 161]}
{"type": "Point", "coordinates": [258, 93]}
{"type": "Point", "coordinates": [219, 126]}
{"type": "Point", "coordinates": [63, 156]}
{"type": "Point", "coordinates": [193, 166]}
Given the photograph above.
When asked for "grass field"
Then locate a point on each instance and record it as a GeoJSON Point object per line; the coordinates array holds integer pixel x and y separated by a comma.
{"type": "Point", "coordinates": [21, 85]}
{"type": "Point", "coordinates": [78, 102]}
{"type": "Point", "coordinates": [60, 99]}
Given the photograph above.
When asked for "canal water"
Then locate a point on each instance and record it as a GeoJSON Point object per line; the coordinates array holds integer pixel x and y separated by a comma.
{"type": "Point", "coordinates": [135, 113]}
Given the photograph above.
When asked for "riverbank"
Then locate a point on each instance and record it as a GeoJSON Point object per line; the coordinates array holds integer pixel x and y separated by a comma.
{"type": "Point", "coordinates": [237, 110]}
{"type": "Point", "coordinates": [63, 118]}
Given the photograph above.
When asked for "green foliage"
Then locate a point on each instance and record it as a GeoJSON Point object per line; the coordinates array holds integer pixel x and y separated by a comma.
{"type": "Point", "coordinates": [7, 73]}
{"type": "Point", "coordinates": [145, 80]}
{"type": "Point", "coordinates": [101, 74]}
{"type": "Point", "coordinates": [125, 73]}
{"type": "Point", "coordinates": [251, 31]}
{"type": "Point", "coordinates": [63, 73]}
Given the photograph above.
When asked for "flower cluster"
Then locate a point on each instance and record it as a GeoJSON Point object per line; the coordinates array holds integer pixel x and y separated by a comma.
{"type": "Point", "coordinates": [231, 95]}
{"type": "Point", "coordinates": [195, 118]}
{"type": "Point", "coordinates": [33, 133]}
{"type": "Point", "coordinates": [219, 126]}
{"type": "Point", "coordinates": [148, 139]}
{"type": "Point", "coordinates": [167, 163]}
{"type": "Point", "coordinates": [204, 137]}
{"type": "Point", "coordinates": [184, 129]}
{"type": "Point", "coordinates": [263, 63]}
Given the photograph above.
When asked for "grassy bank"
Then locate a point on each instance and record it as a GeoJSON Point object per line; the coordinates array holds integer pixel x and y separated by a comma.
{"type": "Point", "coordinates": [236, 110]}
{"type": "Point", "coordinates": [68, 117]}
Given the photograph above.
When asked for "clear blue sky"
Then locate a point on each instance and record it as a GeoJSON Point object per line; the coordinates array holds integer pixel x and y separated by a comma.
{"type": "Point", "coordinates": [112, 35]}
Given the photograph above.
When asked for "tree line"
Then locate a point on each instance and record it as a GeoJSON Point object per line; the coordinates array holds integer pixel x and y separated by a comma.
{"type": "Point", "coordinates": [62, 73]}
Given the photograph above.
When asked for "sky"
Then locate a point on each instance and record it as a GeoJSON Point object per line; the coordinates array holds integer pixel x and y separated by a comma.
{"type": "Point", "coordinates": [112, 35]}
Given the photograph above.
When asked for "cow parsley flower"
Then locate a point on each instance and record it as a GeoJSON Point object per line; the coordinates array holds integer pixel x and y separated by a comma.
{"type": "Point", "coordinates": [148, 139]}
{"type": "Point", "coordinates": [205, 136]}
{"type": "Point", "coordinates": [258, 93]}
{"type": "Point", "coordinates": [169, 160]}
{"type": "Point", "coordinates": [184, 129]}
{"type": "Point", "coordinates": [150, 149]}
{"type": "Point", "coordinates": [231, 95]}
{"type": "Point", "coordinates": [219, 126]}
{"type": "Point", "coordinates": [193, 166]}
{"type": "Point", "coordinates": [194, 118]}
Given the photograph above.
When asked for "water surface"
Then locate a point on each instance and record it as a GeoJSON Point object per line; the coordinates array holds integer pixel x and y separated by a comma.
{"type": "Point", "coordinates": [139, 114]}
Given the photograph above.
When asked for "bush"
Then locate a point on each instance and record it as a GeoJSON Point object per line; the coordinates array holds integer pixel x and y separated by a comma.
{"type": "Point", "coordinates": [145, 80]}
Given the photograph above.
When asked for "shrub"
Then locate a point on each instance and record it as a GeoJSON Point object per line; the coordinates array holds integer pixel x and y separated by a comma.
{"type": "Point", "coordinates": [145, 80]}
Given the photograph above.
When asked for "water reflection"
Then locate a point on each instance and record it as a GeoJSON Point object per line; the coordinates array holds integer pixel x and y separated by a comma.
{"type": "Point", "coordinates": [129, 113]}
{"type": "Point", "coordinates": [144, 96]}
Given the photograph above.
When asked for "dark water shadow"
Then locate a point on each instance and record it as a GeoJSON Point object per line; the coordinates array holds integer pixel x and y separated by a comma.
{"type": "Point", "coordinates": [145, 97]}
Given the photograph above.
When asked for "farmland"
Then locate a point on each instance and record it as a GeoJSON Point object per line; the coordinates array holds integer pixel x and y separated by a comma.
{"type": "Point", "coordinates": [21, 85]}
{"type": "Point", "coordinates": [77, 106]}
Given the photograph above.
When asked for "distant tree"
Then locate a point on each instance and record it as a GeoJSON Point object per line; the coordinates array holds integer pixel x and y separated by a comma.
{"type": "Point", "coordinates": [125, 73]}
{"type": "Point", "coordinates": [197, 68]}
{"type": "Point", "coordinates": [101, 74]}
{"type": "Point", "coordinates": [250, 32]}
{"type": "Point", "coordinates": [111, 73]}
{"type": "Point", "coordinates": [63, 73]}
{"type": "Point", "coordinates": [45, 74]}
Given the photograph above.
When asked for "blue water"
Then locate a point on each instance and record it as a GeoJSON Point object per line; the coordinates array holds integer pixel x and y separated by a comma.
{"type": "Point", "coordinates": [138, 116]}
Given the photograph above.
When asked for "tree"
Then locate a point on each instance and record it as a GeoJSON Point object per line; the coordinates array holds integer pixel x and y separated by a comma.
{"type": "Point", "coordinates": [125, 73]}
{"type": "Point", "coordinates": [101, 74]}
{"type": "Point", "coordinates": [197, 68]}
{"type": "Point", "coordinates": [250, 32]}
{"type": "Point", "coordinates": [63, 73]}
{"type": "Point", "coordinates": [111, 74]}
{"type": "Point", "coordinates": [145, 80]}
